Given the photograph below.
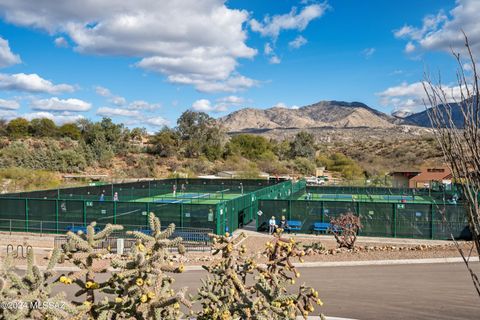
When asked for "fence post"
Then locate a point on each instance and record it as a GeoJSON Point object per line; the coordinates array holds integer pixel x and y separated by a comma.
{"type": "Point", "coordinates": [181, 214]}
{"type": "Point", "coordinates": [41, 228]}
{"type": "Point", "coordinates": [84, 213]}
{"type": "Point", "coordinates": [10, 227]}
{"type": "Point", "coordinates": [56, 216]}
{"type": "Point", "coordinates": [322, 213]}
{"type": "Point", "coordinates": [26, 214]}
{"type": "Point", "coordinates": [431, 221]}
{"type": "Point", "coordinates": [114, 212]}
{"type": "Point", "coordinates": [394, 219]}
{"type": "Point", "coordinates": [148, 213]}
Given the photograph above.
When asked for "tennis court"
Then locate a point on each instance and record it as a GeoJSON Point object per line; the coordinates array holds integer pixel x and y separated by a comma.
{"type": "Point", "coordinates": [213, 197]}
{"type": "Point", "coordinates": [388, 198]}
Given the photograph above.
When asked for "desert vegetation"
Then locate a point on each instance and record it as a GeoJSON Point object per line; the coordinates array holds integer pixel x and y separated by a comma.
{"type": "Point", "coordinates": [140, 288]}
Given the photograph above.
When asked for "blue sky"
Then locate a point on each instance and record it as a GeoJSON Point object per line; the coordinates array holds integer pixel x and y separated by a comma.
{"type": "Point", "coordinates": [145, 62]}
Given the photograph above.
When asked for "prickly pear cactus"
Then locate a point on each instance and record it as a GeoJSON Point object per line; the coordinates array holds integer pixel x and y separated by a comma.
{"type": "Point", "coordinates": [85, 252]}
{"type": "Point", "coordinates": [239, 288]}
{"type": "Point", "coordinates": [142, 287]}
{"type": "Point", "coordinates": [30, 297]}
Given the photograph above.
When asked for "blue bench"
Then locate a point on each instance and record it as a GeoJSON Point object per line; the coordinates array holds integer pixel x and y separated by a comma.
{"type": "Point", "coordinates": [294, 225]}
{"type": "Point", "coordinates": [321, 227]}
{"type": "Point", "coordinates": [75, 229]}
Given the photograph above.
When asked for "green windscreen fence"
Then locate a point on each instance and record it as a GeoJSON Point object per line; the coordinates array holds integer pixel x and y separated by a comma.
{"type": "Point", "coordinates": [378, 219]}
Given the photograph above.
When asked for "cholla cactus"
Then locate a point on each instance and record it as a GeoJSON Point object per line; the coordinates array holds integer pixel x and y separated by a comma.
{"type": "Point", "coordinates": [85, 252]}
{"type": "Point", "coordinates": [142, 286]}
{"type": "Point", "coordinates": [29, 297]}
{"type": "Point", "coordinates": [226, 295]}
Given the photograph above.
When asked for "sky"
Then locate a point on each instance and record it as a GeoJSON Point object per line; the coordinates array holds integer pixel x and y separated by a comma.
{"type": "Point", "coordinates": [144, 62]}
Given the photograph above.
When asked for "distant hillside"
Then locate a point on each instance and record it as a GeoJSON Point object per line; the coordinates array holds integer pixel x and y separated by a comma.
{"type": "Point", "coordinates": [335, 114]}
{"type": "Point", "coordinates": [421, 118]}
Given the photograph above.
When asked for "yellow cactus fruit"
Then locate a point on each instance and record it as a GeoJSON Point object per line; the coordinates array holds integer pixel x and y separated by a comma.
{"type": "Point", "coordinates": [148, 282]}
{"type": "Point", "coordinates": [227, 234]}
{"type": "Point", "coordinates": [141, 247]}
{"type": "Point", "coordinates": [89, 284]}
{"type": "Point", "coordinates": [143, 298]}
{"type": "Point", "coordinates": [63, 279]}
{"type": "Point", "coordinates": [310, 308]}
{"type": "Point", "coordinates": [109, 248]}
{"type": "Point", "coordinates": [305, 313]}
{"type": "Point", "coordinates": [292, 281]}
{"type": "Point", "coordinates": [87, 303]}
{"type": "Point", "coordinates": [297, 274]}
{"type": "Point", "coordinates": [151, 295]}
{"type": "Point", "coordinates": [181, 268]}
{"type": "Point", "coordinates": [302, 260]}
{"type": "Point", "coordinates": [292, 241]}
{"type": "Point", "coordinates": [139, 282]}
{"type": "Point", "coordinates": [68, 281]}
{"type": "Point", "coordinates": [118, 300]}
{"type": "Point", "coordinates": [319, 302]}
{"type": "Point", "coordinates": [315, 294]}
{"type": "Point", "coordinates": [176, 305]}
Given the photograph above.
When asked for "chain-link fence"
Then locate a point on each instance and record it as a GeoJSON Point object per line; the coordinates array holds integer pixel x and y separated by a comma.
{"type": "Point", "coordinates": [407, 220]}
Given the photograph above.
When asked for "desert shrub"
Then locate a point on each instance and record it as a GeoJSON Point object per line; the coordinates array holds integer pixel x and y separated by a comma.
{"type": "Point", "coordinates": [303, 166]}
{"type": "Point", "coordinates": [303, 145]}
{"type": "Point", "coordinates": [16, 179]}
{"type": "Point", "coordinates": [42, 128]}
{"type": "Point", "coordinates": [69, 130]}
{"type": "Point", "coordinates": [227, 293]}
{"type": "Point", "coordinates": [17, 128]}
{"type": "Point", "coordinates": [345, 229]}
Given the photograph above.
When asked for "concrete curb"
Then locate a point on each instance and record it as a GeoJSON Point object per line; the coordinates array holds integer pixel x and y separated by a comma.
{"type": "Point", "coordinates": [319, 264]}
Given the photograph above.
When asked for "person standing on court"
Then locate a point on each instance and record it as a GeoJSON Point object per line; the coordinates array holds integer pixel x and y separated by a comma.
{"type": "Point", "coordinates": [102, 197]}
{"type": "Point", "coordinates": [175, 190]}
{"type": "Point", "coordinates": [272, 225]}
{"type": "Point", "coordinates": [115, 196]}
{"type": "Point", "coordinates": [182, 188]}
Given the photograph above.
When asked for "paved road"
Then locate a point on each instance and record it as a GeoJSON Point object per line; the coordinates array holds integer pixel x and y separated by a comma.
{"type": "Point", "coordinates": [434, 291]}
{"type": "Point", "coordinates": [425, 291]}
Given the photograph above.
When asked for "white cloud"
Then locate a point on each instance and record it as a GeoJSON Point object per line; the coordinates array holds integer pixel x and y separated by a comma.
{"type": "Point", "coordinates": [443, 31]}
{"type": "Point", "coordinates": [116, 100]}
{"type": "Point", "coordinates": [195, 42]}
{"type": "Point", "coordinates": [204, 105]}
{"type": "Point", "coordinates": [56, 104]}
{"type": "Point", "coordinates": [298, 42]}
{"type": "Point", "coordinates": [285, 106]}
{"type": "Point", "coordinates": [8, 114]}
{"type": "Point", "coordinates": [272, 26]}
{"type": "Point", "coordinates": [412, 97]}
{"type": "Point", "coordinates": [7, 57]}
{"type": "Point", "coordinates": [368, 52]}
{"type": "Point", "coordinates": [117, 112]}
{"type": "Point", "coordinates": [143, 105]}
{"type": "Point", "coordinates": [233, 84]}
{"type": "Point", "coordinates": [9, 104]}
{"type": "Point", "coordinates": [61, 42]}
{"type": "Point", "coordinates": [133, 116]}
{"type": "Point", "coordinates": [102, 91]}
{"type": "Point", "coordinates": [31, 83]}
{"type": "Point", "coordinates": [234, 100]}
{"type": "Point", "coordinates": [410, 47]}
{"type": "Point", "coordinates": [57, 118]}
{"type": "Point", "coordinates": [268, 50]}
{"type": "Point", "coordinates": [274, 60]}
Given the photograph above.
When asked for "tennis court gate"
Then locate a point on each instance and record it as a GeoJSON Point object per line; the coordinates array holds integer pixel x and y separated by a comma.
{"type": "Point", "coordinates": [403, 220]}
{"type": "Point", "coordinates": [55, 210]}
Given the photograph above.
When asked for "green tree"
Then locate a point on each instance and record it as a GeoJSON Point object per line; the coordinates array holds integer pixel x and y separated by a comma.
{"type": "Point", "coordinates": [304, 165]}
{"type": "Point", "coordinates": [249, 146]}
{"type": "Point", "coordinates": [18, 128]}
{"type": "Point", "coordinates": [282, 149]}
{"type": "Point", "coordinates": [165, 143]}
{"type": "Point", "coordinates": [42, 128]}
{"type": "Point", "coordinates": [70, 130]}
{"type": "Point", "coordinates": [303, 145]}
{"type": "Point", "coordinates": [200, 134]}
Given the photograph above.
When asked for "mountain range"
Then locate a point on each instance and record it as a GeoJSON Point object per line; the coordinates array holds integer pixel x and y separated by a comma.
{"type": "Point", "coordinates": [331, 114]}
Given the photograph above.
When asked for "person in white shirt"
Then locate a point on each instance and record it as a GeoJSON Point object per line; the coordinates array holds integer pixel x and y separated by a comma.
{"type": "Point", "coordinates": [272, 225]}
